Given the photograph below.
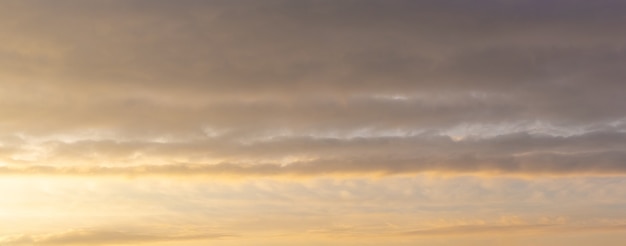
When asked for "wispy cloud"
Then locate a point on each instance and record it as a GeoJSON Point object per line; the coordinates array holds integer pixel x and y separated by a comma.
{"type": "Point", "coordinates": [100, 237]}
{"type": "Point", "coordinates": [518, 153]}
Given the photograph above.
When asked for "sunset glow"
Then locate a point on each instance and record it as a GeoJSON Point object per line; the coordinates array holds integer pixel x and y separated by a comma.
{"type": "Point", "coordinates": [298, 122]}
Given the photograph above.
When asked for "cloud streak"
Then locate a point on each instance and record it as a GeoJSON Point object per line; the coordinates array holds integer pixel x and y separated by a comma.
{"type": "Point", "coordinates": [602, 163]}
{"type": "Point", "coordinates": [517, 153]}
{"type": "Point", "coordinates": [100, 237]}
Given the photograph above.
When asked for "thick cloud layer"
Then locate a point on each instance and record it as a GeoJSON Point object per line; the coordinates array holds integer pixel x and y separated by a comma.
{"type": "Point", "coordinates": [313, 87]}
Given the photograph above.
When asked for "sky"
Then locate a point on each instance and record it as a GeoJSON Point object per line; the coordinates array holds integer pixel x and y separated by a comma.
{"type": "Point", "coordinates": [312, 122]}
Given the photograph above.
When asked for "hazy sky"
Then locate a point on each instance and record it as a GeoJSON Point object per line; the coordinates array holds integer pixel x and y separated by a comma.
{"type": "Point", "coordinates": [312, 122]}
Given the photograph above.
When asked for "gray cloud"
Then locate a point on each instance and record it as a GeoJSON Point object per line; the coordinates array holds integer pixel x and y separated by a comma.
{"type": "Point", "coordinates": [137, 71]}
{"type": "Point", "coordinates": [602, 163]}
{"type": "Point", "coordinates": [517, 153]}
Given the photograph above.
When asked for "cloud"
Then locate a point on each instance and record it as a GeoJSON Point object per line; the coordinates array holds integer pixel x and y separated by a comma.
{"type": "Point", "coordinates": [100, 237]}
{"type": "Point", "coordinates": [478, 229]}
{"type": "Point", "coordinates": [602, 163]}
{"type": "Point", "coordinates": [351, 86]}
{"type": "Point", "coordinates": [516, 153]}
{"type": "Point", "coordinates": [511, 229]}
{"type": "Point", "coordinates": [331, 115]}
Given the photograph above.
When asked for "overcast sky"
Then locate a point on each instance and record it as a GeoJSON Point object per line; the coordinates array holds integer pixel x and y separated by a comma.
{"type": "Point", "coordinates": [486, 122]}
